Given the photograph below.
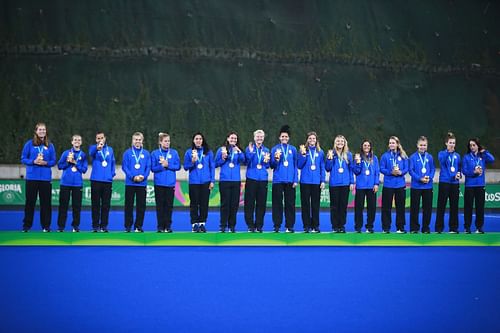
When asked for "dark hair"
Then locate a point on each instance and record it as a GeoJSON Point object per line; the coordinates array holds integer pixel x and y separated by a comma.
{"type": "Point", "coordinates": [449, 136]}
{"type": "Point", "coordinates": [226, 143]}
{"type": "Point", "coordinates": [37, 141]}
{"type": "Point", "coordinates": [285, 129]}
{"type": "Point", "coordinates": [362, 153]}
{"type": "Point", "coordinates": [204, 145]}
{"type": "Point", "coordinates": [476, 141]}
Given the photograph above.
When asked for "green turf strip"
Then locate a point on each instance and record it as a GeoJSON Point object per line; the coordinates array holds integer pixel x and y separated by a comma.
{"type": "Point", "coordinates": [15, 238]}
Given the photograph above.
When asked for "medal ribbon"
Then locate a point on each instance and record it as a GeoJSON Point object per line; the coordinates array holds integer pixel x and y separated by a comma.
{"type": "Point", "coordinates": [313, 159]}
{"type": "Point", "coordinates": [137, 158]}
{"type": "Point", "coordinates": [423, 161]}
{"type": "Point", "coordinates": [104, 155]}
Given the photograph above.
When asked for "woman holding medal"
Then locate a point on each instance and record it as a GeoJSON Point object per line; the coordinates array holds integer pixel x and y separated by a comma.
{"type": "Point", "coordinates": [474, 167]}
{"type": "Point", "coordinates": [199, 161]}
{"type": "Point", "coordinates": [394, 167]}
{"type": "Point", "coordinates": [422, 171]}
{"type": "Point", "coordinates": [165, 162]}
{"type": "Point", "coordinates": [229, 157]}
{"type": "Point", "coordinates": [39, 156]}
{"type": "Point", "coordinates": [257, 157]}
{"type": "Point", "coordinates": [311, 162]}
{"type": "Point", "coordinates": [339, 164]}
{"type": "Point", "coordinates": [101, 178]}
{"type": "Point", "coordinates": [367, 171]}
{"type": "Point", "coordinates": [136, 164]}
{"type": "Point", "coordinates": [285, 178]}
{"type": "Point", "coordinates": [74, 163]}
{"type": "Point", "coordinates": [449, 177]}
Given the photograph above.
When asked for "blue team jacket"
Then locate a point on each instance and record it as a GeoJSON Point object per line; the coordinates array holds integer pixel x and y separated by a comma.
{"type": "Point", "coordinates": [469, 164]}
{"type": "Point", "coordinates": [99, 172]}
{"type": "Point", "coordinates": [204, 175]}
{"type": "Point", "coordinates": [337, 178]}
{"type": "Point", "coordinates": [228, 174]}
{"type": "Point", "coordinates": [29, 155]}
{"type": "Point", "coordinates": [282, 173]}
{"type": "Point", "coordinates": [447, 161]}
{"type": "Point", "coordinates": [131, 157]}
{"type": "Point", "coordinates": [253, 159]}
{"type": "Point", "coordinates": [364, 181]}
{"type": "Point", "coordinates": [417, 163]}
{"type": "Point", "coordinates": [387, 161]}
{"type": "Point", "coordinates": [304, 163]}
{"type": "Point", "coordinates": [70, 177]}
{"type": "Point", "coordinates": [165, 176]}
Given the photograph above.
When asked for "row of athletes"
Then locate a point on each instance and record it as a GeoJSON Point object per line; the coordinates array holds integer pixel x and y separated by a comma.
{"type": "Point", "coordinates": [347, 172]}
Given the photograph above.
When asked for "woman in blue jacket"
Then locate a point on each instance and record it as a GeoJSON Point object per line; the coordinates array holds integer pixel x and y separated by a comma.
{"type": "Point", "coordinates": [136, 164]}
{"type": "Point", "coordinates": [474, 168]}
{"type": "Point", "coordinates": [165, 162]}
{"type": "Point", "coordinates": [311, 162]}
{"type": "Point", "coordinates": [257, 157]}
{"type": "Point", "coordinates": [339, 164]}
{"type": "Point", "coordinates": [199, 161]}
{"type": "Point", "coordinates": [367, 171]}
{"type": "Point", "coordinates": [422, 171]}
{"type": "Point", "coordinates": [229, 158]}
{"type": "Point", "coordinates": [101, 180]}
{"type": "Point", "coordinates": [39, 156]}
{"type": "Point", "coordinates": [394, 167]}
{"type": "Point", "coordinates": [74, 163]}
{"type": "Point", "coordinates": [285, 179]}
{"type": "Point", "coordinates": [449, 177]}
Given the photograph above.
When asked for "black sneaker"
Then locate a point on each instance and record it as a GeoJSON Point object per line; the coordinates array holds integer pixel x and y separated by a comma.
{"type": "Point", "coordinates": [480, 231]}
{"type": "Point", "coordinates": [45, 230]}
{"type": "Point", "coordinates": [426, 232]}
{"type": "Point", "coordinates": [202, 228]}
{"type": "Point", "coordinates": [369, 231]}
{"type": "Point", "coordinates": [306, 230]}
{"type": "Point", "coordinates": [342, 230]}
{"type": "Point", "coordinates": [60, 230]}
{"type": "Point", "coordinates": [195, 227]}
{"type": "Point", "coordinates": [232, 230]}
{"type": "Point", "coordinates": [138, 230]}
{"type": "Point", "coordinates": [315, 231]}
{"type": "Point", "coordinates": [358, 231]}
{"type": "Point", "coordinates": [251, 229]}
{"type": "Point", "coordinates": [25, 230]}
{"type": "Point", "coordinates": [168, 231]}
{"type": "Point", "coordinates": [467, 230]}
{"type": "Point", "coordinates": [259, 230]}
{"type": "Point", "coordinates": [76, 229]}
{"type": "Point", "coordinates": [289, 230]}
{"type": "Point", "coordinates": [414, 232]}
{"type": "Point", "coordinates": [276, 230]}
{"type": "Point", "coordinates": [386, 232]}
{"type": "Point", "coordinates": [104, 230]}
{"type": "Point", "coordinates": [439, 232]}
{"type": "Point", "coordinates": [159, 231]}
{"type": "Point", "coordinates": [95, 230]}
{"type": "Point", "coordinates": [127, 230]}
{"type": "Point", "coordinates": [222, 230]}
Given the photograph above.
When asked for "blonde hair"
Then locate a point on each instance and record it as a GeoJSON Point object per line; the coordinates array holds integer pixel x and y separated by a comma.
{"type": "Point", "coordinates": [318, 147]}
{"type": "Point", "coordinates": [137, 134]}
{"type": "Point", "coordinates": [343, 154]}
{"type": "Point", "coordinates": [400, 147]}
{"type": "Point", "coordinates": [76, 136]}
{"type": "Point", "coordinates": [162, 136]}
{"type": "Point", "coordinates": [259, 131]}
